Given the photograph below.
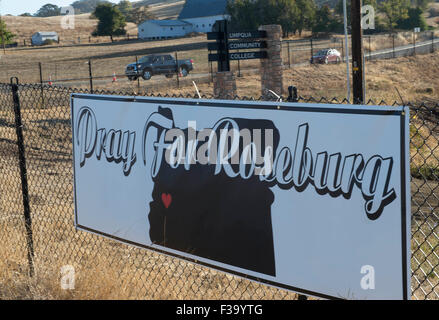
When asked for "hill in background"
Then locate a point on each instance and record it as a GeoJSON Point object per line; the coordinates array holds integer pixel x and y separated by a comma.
{"type": "Point", "coordinates": [25, 27]}
{"type": "Point", "coordinates": [163, 9]}
{"type": "Point", "coordinates": [87, 6]}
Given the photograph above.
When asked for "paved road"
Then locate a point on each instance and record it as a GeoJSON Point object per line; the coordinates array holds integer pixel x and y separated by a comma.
{"type": "Point", "coordinates": [421, 47]}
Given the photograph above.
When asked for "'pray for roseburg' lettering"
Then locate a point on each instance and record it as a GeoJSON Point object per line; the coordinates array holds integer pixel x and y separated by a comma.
{"type": "Point", "coordinates": [295, 166]}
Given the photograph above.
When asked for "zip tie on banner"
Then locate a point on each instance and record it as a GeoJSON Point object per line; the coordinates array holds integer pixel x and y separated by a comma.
{"type": "Point", "coordinates": [196, 88]}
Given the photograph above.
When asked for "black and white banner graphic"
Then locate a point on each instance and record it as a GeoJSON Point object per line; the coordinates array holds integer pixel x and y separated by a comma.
{"type": "Point", "coordinates": [308, 197]}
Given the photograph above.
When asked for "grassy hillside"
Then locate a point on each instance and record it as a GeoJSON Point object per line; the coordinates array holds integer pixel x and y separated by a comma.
{"type": "Point", "coordinates": [165, 9]}
{"type": "Point", "coordinates": [24, 27]}
{"type": "Point", "coordinates": [432, 15]}
{"type": "Point", "coordinates": [152, 2]}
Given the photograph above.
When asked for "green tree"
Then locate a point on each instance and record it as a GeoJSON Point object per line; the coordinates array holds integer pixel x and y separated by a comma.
{"type": "Point", "coordinates": [48, 10]}
{"type": "Point", "coordinates": [415, 19]}
{"type": "Point", "coordinates": [139, 14]}
{"type": "Point", "coordinates": [86, 6]}
{"type": "Point", "coordinates": [394, 10]}
{"type": "Point", "coordinates": [243, 14]}
{"type": "Point", "coordinates": [5, 35]}
{"type": "Point", "coordinates": [125, 7]}
{"type": "Point", "coordinates": [325, 21]}
{"type": "Point", "coordinates": [283, 12]}
{"type": "Point", "coordinates": [306, 14]}
{"type": "Point", "coordinates": [292, 15]}
{"type": "Point", "coordinates": [111, 20]}
{"type": "Point", "coordinates": [26, 14]}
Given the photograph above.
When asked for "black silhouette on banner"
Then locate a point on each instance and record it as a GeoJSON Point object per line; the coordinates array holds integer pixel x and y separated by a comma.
{"type": "Point", "coordinates": [216, 217]}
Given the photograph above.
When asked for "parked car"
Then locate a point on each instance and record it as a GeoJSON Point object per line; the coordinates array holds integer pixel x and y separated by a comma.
{"type": "Point", "coordinates": [152, 65]}
{"type": "Point", "coordinates": [327, 56]}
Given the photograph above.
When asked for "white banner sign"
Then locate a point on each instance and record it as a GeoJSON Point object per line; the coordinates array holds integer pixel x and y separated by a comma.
{"type": "Point", "coordinates": [308, 197]}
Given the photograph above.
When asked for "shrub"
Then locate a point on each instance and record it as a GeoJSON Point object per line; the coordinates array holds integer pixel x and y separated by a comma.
{"type": "Point", "coordinates": [49, 42]}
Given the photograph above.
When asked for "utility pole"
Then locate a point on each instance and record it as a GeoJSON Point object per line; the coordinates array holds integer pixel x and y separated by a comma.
{"type": "Point", "coordinates": [357, 53]}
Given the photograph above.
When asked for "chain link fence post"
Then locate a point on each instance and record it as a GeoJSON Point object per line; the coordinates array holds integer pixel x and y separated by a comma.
{"type": "Point", "coordinates": [177, 71]}
{"type": "Point", "coordinates": [41, 82]}
{"type": "Point", "coordinates": [239, 67]}
{"type": "Point", "coordinates": [393, 45]}
{"type": "Point", "coordinates": [23, 175]}
{"type": "Point", "coordinates": [137, 75]}
{"type": "Point", "coordinates": [90, 74]}
{"type": "Point", "coordinates": [342, 50]}
{"type": "Point", "coordinates": [414, 43]}
{"type": "Point", "coordinates": [289, 55]}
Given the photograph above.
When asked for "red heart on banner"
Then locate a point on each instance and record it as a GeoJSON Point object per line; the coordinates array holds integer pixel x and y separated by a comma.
{"type": "Point", "coordinates": [167, 199]}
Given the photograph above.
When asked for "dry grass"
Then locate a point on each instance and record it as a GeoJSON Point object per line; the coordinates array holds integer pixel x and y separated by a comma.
{"type": "Point", "coordinates": [432, 15]}
{"type": "Point", "coordinates": [71, 62]}
{"type": "Point", "coordinates": [25, 27]}
{"type": "Point", "coordinates": [415, 77]}
{"type": "Point", "coordinates": [167, 10]}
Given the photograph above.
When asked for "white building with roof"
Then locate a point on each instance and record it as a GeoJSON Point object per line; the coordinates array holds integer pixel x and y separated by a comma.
{"type": "Point", "coordinates": [164, 29]}
{"type": "Point", "coordinates": [196, 16]}
{"type": "Point", "coordinates": [203, 14]}
{"type": "Point", "coordinates": [39, 38]}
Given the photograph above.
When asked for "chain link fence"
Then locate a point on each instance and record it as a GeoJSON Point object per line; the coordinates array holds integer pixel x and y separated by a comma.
{"type": "Point", "coordinates": [37, 241]}
{"type": "Point", "coordinates": [108, 69]}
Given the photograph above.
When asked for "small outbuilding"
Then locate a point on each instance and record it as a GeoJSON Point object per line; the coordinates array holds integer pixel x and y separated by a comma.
{"type": "Point", "coordinates": [39, 38]}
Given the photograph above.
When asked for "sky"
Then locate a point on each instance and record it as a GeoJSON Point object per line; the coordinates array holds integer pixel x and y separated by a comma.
{"type": "Point", "coordinates": [17, 7]}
